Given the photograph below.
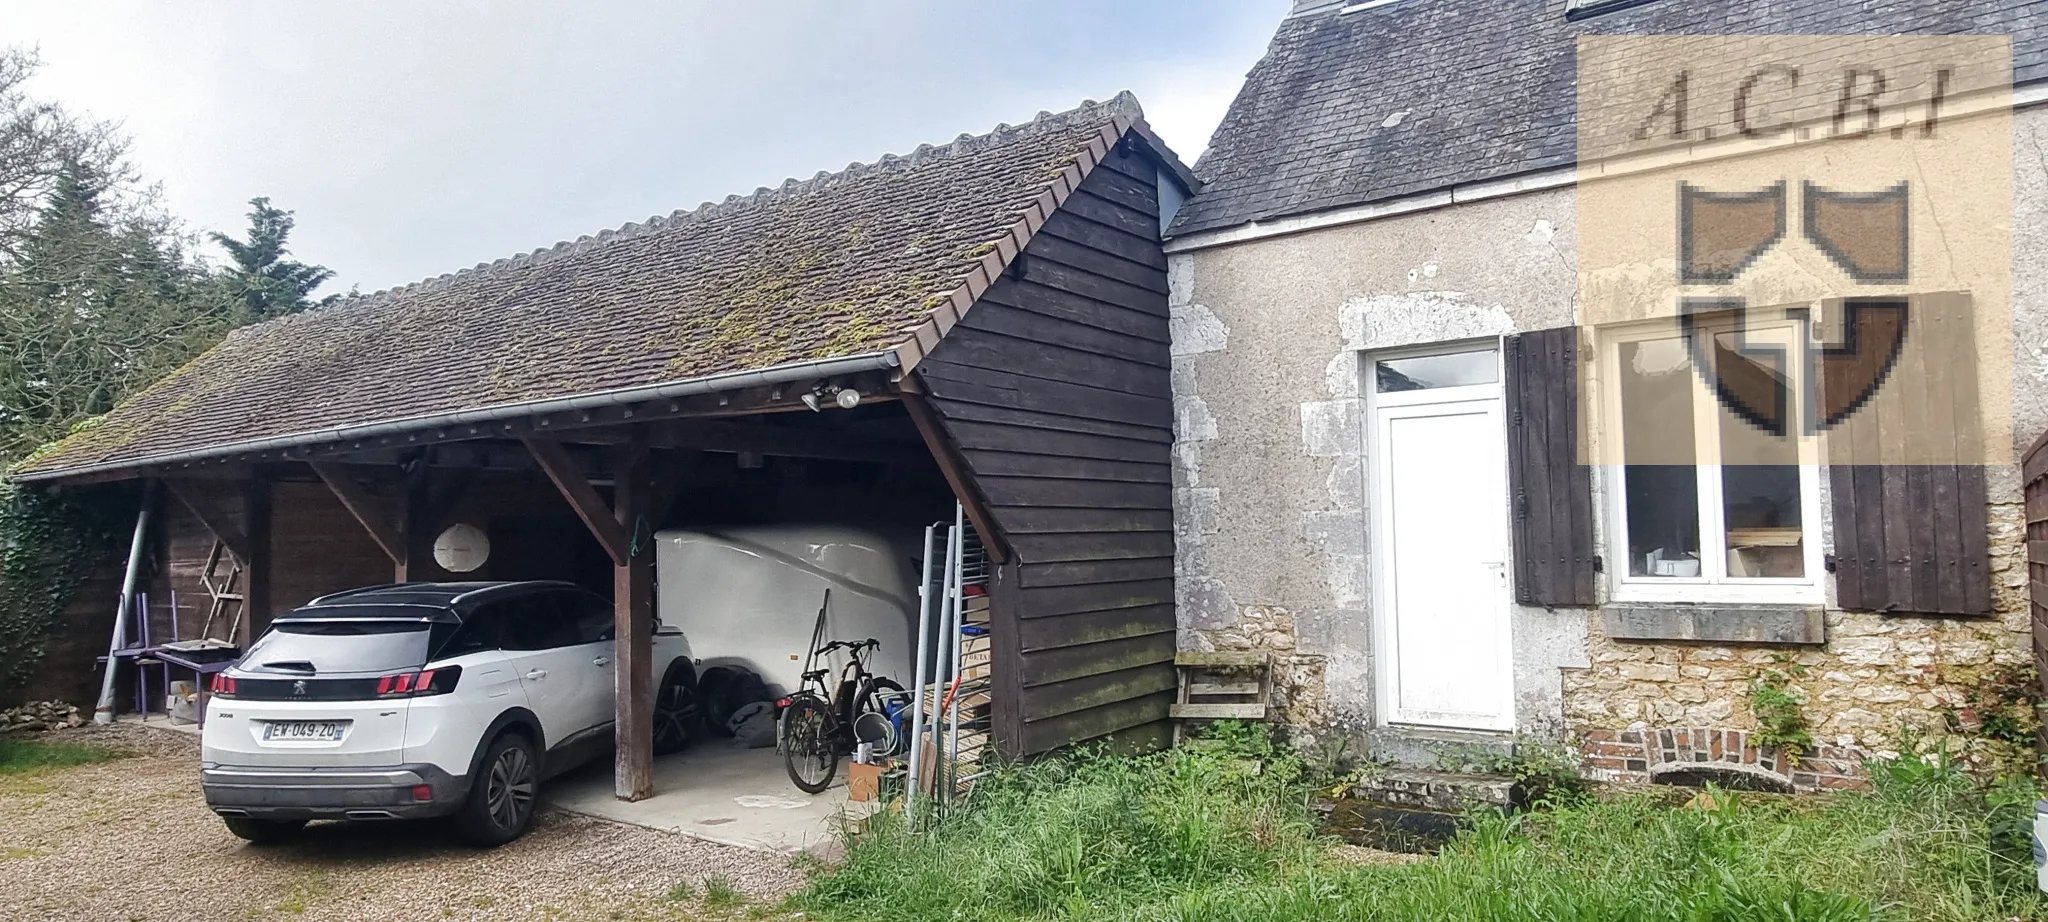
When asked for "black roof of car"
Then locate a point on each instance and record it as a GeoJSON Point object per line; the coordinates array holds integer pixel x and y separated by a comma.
{"type": "Point", "coordinates": [416, 600]}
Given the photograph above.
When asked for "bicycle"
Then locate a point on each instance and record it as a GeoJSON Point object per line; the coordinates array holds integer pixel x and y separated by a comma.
{"type": "Point", "coordinates": [818, 723]}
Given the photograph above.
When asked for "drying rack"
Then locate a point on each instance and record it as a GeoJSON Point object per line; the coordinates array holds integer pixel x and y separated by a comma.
{"type": "Point", "coordinates": [951, 722]}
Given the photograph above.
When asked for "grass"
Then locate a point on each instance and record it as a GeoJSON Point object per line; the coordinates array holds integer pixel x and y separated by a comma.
{"type": "Point", "coordinates": [20, 756]}
{"type": "Point", "coordinates": [1204, 837]}
{"type": "Point", "coordinates": [719, 893]}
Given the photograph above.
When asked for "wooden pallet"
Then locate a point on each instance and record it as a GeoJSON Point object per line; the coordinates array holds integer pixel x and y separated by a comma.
{"type": "Point", "coordinates": [1221, 686]}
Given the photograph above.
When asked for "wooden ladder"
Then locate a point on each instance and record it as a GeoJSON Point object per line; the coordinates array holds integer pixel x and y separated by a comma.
{"type": "Point", "coordinates": [226, 593]}
{"type": "Point", "coordinates": [1221, 686]}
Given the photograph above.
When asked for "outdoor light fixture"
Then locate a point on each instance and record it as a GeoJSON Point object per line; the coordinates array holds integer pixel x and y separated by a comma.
{"type": "Point", "coordinates": [846, 397]}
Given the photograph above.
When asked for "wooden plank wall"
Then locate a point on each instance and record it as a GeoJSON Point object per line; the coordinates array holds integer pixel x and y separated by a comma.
{"type": "Point", "coordinates": [2034, 470]}
{"type": "Point", "coordinates": [1056, 390]}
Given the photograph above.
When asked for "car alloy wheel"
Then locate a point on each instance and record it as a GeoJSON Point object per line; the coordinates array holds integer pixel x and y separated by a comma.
{"type": "Point", "coordinates": [675, 716]}
{"type": "Point", "coordinates": [511, 788]}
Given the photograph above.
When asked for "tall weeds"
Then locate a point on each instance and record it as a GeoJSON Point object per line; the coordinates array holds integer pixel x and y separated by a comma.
{"type": "Point", "coordinates": [1229, 836]}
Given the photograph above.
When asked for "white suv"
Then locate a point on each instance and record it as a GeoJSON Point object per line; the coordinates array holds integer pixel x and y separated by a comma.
{"type": "Point", "coordinates": [423, 700]}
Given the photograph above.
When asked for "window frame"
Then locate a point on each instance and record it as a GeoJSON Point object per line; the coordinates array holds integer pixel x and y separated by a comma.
{"type": "Point", "coordinates": [1580, 9]}
{"type": "Point", "coordinates": [1713, 585]}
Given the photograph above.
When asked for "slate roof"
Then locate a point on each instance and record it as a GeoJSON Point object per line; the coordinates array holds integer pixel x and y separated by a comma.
{"type": "Point", "coordinates": [1487, 88]}
{"type": "Point", "coordinates": [856, 262]}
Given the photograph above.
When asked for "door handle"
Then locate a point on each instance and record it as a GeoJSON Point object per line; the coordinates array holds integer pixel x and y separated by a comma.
{"type": "Point", "coordinates": [601, 661]}
{"type": "Point", "coordinates": [537, 674]}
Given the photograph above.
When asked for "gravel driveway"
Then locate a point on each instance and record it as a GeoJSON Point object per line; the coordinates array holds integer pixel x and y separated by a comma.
{"type": "Point", "coordinates": [132, 839]}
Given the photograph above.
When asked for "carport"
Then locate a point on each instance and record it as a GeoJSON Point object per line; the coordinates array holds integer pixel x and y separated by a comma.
{"type": "Point", "coordinates": [983, 322]}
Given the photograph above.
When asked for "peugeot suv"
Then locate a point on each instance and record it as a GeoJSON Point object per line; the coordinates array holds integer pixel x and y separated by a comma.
{"type": "Point", "coordinates": [424, 700]}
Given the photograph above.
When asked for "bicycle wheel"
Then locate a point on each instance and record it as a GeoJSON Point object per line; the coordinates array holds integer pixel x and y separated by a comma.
{"type": "Point", "coordinates": [807, 747]}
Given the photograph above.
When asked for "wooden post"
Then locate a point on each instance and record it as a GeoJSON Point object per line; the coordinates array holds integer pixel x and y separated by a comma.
{"type": "Point", "coordinates": [413, 506]}
{"type": "Point", "coordinates": [633, 588]}
{"type": "Point", "coordinates": [622, 529]}
{"type": "Point", "coordinates": [256, 531]}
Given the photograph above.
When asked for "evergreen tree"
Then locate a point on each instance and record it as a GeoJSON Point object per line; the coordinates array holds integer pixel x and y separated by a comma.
{"type": "Point", "coordinates": [100, 300]}
{"type": "Point", "coordinates": [268, 283]}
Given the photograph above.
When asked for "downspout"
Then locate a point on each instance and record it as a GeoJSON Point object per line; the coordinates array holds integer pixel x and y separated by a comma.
{"type": "Point", "coordinates": [103, 712]}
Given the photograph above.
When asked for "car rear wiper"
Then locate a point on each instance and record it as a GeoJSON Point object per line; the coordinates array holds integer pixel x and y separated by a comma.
{"type": "Point", "coordinates": [291, 665]}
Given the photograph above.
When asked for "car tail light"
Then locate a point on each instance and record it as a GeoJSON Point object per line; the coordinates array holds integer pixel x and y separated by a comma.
{"type": "Point", "coordinates": [423, 792]}
{"type": "Point", "coordinates": [419, 684]}
{"type": "Point", "coordinates": [223, 685]}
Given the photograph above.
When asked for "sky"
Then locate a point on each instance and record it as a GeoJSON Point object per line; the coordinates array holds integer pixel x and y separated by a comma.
{"type": "Point", "coordinates": [414, 139]}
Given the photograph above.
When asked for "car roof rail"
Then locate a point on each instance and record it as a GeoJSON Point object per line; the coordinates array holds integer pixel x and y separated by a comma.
{"type": "Point", "coordinates": [359, 590]}
{"type": "Point", "coordinates": [520, 587]}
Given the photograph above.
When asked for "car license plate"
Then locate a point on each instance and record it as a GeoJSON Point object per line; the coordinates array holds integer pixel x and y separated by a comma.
{"type": "Point", "coordinates": [304, 731]}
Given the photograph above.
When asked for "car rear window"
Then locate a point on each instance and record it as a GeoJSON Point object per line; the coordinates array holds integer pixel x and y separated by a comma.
{"type": "Point", "coordinates": [328, 647]}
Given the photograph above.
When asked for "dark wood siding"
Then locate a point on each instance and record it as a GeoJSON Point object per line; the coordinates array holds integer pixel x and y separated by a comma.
{"type": "Point", "coordinates": [1551, 491]}
{"type": "Point", "coordinates": [2034, 472]}
{"type": "Point", "coordinates": [1055, 391]}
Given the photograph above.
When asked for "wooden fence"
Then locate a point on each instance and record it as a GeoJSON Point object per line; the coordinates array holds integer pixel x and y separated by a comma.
{"type": "Point", "coordinates": [2034, 469]}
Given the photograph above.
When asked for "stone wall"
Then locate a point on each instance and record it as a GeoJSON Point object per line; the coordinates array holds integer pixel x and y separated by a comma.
{"type": "Point", "coordinates": [1271, 512]}
{"type": "Point", "coordinates": [1877, 677]}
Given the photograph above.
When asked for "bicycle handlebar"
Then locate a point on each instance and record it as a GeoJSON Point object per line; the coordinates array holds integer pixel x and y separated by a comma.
{"type": "Point", "coordinates": [856, 645]}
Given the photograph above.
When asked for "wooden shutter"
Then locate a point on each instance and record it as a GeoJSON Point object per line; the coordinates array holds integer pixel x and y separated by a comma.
{"type": "Point", "coordinates": [1915, 538]}
{"type": "Point", "coordinates": [1911, 539]}
{"type": "Point", "coordinates": [1551, 492]}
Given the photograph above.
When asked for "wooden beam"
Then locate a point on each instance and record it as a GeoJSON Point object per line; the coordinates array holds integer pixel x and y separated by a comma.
{"type": "Point", "coordinates": [582, 497]}
{"type": "Point", "coordinates": [256, 522]}
{"type": "Point", "coordinates": [957, 475]}
{"type": "Point", "coordinates": [759, 438]}
{"type": "Point", "coordinates": [237, 543]}
{"type": "Point", "coordinates": [633, 609]}
{"type": "Point", "coordinates": [875, 387]}
{"type": "Point", "coordinates": [363, 506]}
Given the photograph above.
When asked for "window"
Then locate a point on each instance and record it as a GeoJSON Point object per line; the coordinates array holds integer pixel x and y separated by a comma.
{"type": "Point", "coordinates": [1427, 372]}
{"type": "Point", "coordinates": [536, 622]}
{"type": "Point", "coordinates": [1579, 9]}
{"type": "Point", "coordinates": [1709, 506]}
{"type": "Point", "coordinates": [595, 621]}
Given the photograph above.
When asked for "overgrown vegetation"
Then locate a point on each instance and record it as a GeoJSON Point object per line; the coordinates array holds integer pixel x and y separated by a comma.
{"type": "Point", "coordinates": [1780, 714]}
{"type": "Point", "coordinates": [1228, 834]}
{"type": "Point", "coordinates": [1545, 773]}
{"type": "Point", "coordinates": [21, 756]}
{"type": "Point", "coordinates": [2000, 717]}
{"type": "Point", "coordinates": [50, 544]}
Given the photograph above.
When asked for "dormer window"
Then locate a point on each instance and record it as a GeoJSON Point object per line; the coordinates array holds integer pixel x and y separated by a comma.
{"type": "Point", "coordinates": [1580, 9]}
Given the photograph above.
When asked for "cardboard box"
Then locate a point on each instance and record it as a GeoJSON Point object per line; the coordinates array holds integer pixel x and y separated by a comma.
{"type": "Point", "coordinates": [864, 782]}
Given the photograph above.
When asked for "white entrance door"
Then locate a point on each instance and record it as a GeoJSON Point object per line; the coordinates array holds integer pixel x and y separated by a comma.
{"type": "Point", "coordinates": [1440, 547]}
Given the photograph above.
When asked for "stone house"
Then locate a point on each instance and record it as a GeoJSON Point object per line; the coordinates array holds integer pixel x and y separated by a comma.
{"type": "Point", "coordinates": [1407, 459]}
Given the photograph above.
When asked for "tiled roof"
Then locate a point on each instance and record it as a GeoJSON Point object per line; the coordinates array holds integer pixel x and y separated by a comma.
{"type": "Point", "coordinates": [841, 264]}
{"type": "Point", "coordinates": [1418, 95]}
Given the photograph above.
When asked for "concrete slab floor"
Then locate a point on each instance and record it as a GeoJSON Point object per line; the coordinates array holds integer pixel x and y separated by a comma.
{"type": "Point", "coordinates": [159, 722]}
{"type": "Point", "coordinates": [714, 792]}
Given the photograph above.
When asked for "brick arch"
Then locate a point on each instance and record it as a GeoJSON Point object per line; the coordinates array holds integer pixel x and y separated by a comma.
{"type": "Point", "coordinates": [1641, 755]}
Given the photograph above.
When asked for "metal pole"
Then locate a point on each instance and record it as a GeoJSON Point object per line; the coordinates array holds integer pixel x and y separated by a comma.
{"type": "Point", "coordinates": [103, 712]}
{"type": "Point", "coordinates": [924, 640]}
{"type": "Point", "coordinates": [956, 558]}
{"type": "Point", "coordinates": [936, 767]}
